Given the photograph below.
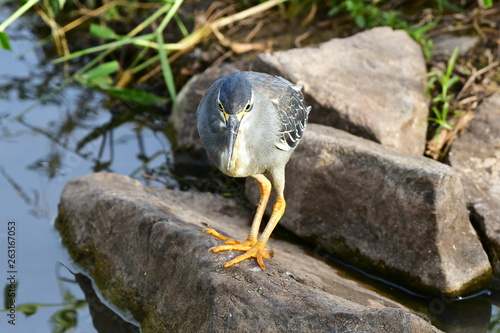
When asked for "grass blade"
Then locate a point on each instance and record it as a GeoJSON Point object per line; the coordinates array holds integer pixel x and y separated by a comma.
{"type": "Point", "coordinates": [104, 47]}
{"type": "Point", "coordinates": [102, 70]}
{"type": "Point", "coordinates": [165, 64]}
{"type": "Point", "coordinates": [4, 41]}
{"type": "Point", "coordinates": [451, 62]}
{"type": "Point", "coordinates": [103, 32]}
{"type": "Point", "coordinates": [18, 13]}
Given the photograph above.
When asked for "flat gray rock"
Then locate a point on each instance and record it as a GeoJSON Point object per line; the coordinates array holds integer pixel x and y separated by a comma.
{"type": "Point", "coordinates": [445, 44]}
{"type": "Point", "coordinates": [475, 155]}
{"type": "Point", "coordinates": [397, 215]}
{"type": "Point", "coordinates": [145, 250]}
{"type": "Point", "coordinates": [371, 85]}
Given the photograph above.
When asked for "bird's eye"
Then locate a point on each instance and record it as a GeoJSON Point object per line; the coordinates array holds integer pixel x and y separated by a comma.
{"type": "Point", "coordinates": [248, 107]}
{"type": "Point", "coordinates": [221, 107]}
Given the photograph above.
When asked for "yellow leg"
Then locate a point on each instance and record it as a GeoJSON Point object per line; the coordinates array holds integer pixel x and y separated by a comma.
{"type": "Point", "coordinates": [265, 191]}
{"type": "Point", "coordinates": [278, 211]}
{"type": "Point", "coordinates": [259, 251]}
{"type": "Point", "coordinates": [252, 247]}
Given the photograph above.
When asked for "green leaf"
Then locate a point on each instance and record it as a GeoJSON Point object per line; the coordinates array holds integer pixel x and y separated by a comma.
{"type": "Point", "coordinates": [429, 85]}
{"type": "Point", "coordinates": [451, 82]}
{"type": "Point", "coordinates": [53, 6]}
{"type": "Point", "coordinates": [68, 296]}
{"type": "Point", "coordinates": [487, 3]}
{"type": "Point", "coordinates": [427, 47]}
{"type": "Point", "coordinates": [336, 9]}
{"type": "Point", "coordinates": [137, 96]}
{"type": "Point", "coordinates": [447, 126]}
{"type": "Point", "coordinates": [61, 4]}
{"type": "Point", "coordinates": [438, 98]}
{"type": "Point", "coordinates": [64, 320]}
{"type": "Point", "coordinates": [435, 73]}
{"type": "Point", "coordinates": [451, 62]}
{"type": "Point", "coordinates": [102, 70]}
{"type": "Point", "coordinates": [99, 81]}
{"type": "Point", "coordinates": [360, 21]}
{"type": "Point", "coordinates": [79, 303]}
{"type": "Point", "coordinates": [102, 32]}
{"type": "Point", "coordinates": [421, 30]}
{"type": "Point", "coordinates": [437, 113]}
{"type": "Point", "coordinates": [28, 309]}
{"type": "Point", "coordinates": [8, 294]}
{"type": "Point", "coordinates": [4, 41]}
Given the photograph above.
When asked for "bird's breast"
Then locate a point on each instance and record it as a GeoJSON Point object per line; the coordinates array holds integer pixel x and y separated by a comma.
{"type": "Point", "coordinates": [242, 162]}
{"type": "Point", "coordinates": [240, 159]}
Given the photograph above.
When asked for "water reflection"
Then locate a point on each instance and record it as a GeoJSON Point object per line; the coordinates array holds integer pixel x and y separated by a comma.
{"type": "Point", "coordinates": [475, 313]}
{"type": "Point", "coordinates": [105, 320]}
{"type": "Point", "coordinates": [472, 315]}
{"type": "Point", "coordinates": [48, 136]}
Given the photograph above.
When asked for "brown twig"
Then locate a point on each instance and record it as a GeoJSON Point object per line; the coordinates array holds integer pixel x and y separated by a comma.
{"type": "Point", "coordinates": [58, 34]}
{"type": "Point", "coordinates": [475, 75]}
{"type": "Point", "coordinates": [254, 31]}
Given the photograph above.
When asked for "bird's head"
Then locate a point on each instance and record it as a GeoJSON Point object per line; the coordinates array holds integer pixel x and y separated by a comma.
{"type": "Point", "coordinates": [235, 100]}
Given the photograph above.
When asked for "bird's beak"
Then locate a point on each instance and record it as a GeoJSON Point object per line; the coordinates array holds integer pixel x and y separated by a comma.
{"type": "Point", "coordinates": [232, 125]}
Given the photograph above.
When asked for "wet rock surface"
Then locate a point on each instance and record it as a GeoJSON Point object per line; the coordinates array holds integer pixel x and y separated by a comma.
{"type": "Point", "coordinates": [400, 216]}
{"type": "Point", "coordinates": [145, 250]}
{"type": "Point", "coordinates": [362, 84]}
{"type": "Point", "coordinates": [476, 157]}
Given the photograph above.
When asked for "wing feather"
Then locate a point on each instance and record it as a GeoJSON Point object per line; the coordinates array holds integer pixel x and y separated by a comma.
{"type": "Point", "coordinates": [290, 105]}
{"type": "Point", "coordinates": [293, 114]}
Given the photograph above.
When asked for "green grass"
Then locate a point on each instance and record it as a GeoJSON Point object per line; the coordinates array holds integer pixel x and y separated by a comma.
{"type": "Point", "coordinates": [104, 74]}
{"type": "Point", "coordinates": [149, 49]}
{"type": "Point", "coordinates": [366, 14]}
{"type": "Point", "coordinates": [4, 38]}
{"type": "Point", "coordinates": [441, 103]}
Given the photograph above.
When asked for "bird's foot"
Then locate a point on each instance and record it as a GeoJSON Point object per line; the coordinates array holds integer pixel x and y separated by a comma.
{"type": "Point", "coordinates": [252, 249]}
{"type": "Point", "coordinates": [257, 251]}
{"type": "Point", "coordinates": [227, 240]}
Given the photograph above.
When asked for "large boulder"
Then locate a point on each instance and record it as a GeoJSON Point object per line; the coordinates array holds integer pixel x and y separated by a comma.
{"type": "Point", "coordinates": [371, 84]}
{"type": "Point", "coordinates": [400, 216]}
{"type": "Point", "coordinates": [145, 250]}
{"type": "Point", "coordinates": [475, 155]}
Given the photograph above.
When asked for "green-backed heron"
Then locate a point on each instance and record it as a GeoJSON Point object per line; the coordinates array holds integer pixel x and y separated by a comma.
{"type": "Point", "coordinates": [249, 124]}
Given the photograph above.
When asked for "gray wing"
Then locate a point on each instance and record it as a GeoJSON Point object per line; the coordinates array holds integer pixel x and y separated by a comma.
{"type": "Point", "coordinates": [293, 114]}
{"type": "Point", "coordinates": [289, 102]}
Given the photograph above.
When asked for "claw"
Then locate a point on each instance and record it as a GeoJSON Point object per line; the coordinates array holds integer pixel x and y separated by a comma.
{"type": "Point", "coordinates": [252, 249]}
{"type": "Point", "coordinates": [213, 232]}
{"type": "Point", "coordinates": [257, 252]}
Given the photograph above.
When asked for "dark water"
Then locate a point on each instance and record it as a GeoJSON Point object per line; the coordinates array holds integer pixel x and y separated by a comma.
{"type": "Point", "coordinates": [39, 155]}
